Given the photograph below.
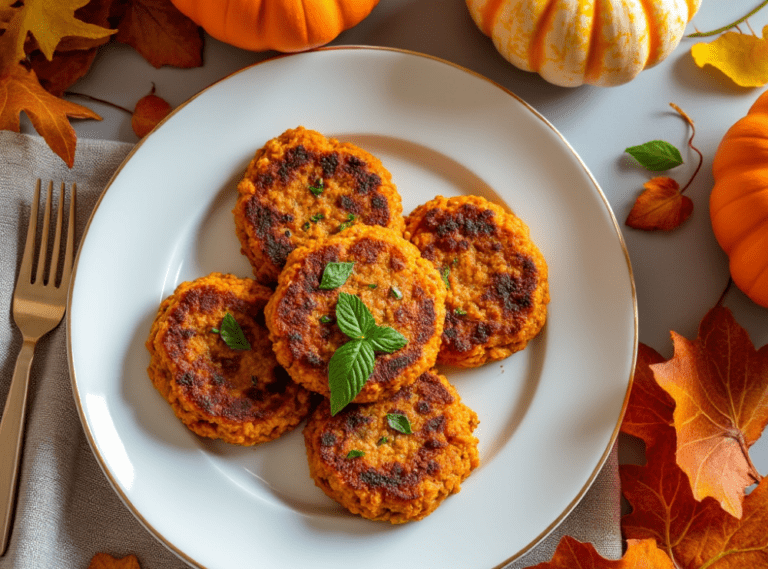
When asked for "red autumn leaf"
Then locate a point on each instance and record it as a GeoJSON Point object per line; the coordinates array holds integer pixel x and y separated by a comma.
{"type": "Point", "coordinates": [572, 554]}
{"type": "Point", "coordinates": [660, 206]}
{"type": "Point", "coordinates": [694, 534]}
{"type": "Point", "coordinates": [161, 34]}
{"type": "Point", "coordinates": [106, 561]}
{"type": "Point", "coordinates": [149, 111]}
{"type": "Point", "coordinates": [58, 75]}
{"type": "Point", "coordinates": [21, 91]}
{"type": "Point", "coordinates": [720, 386]}
{"type": "Point", "coordinates": [649, 411]}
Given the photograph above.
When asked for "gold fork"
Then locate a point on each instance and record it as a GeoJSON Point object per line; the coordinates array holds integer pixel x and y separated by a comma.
{"type": "Point", "coordinates": [38, 307]}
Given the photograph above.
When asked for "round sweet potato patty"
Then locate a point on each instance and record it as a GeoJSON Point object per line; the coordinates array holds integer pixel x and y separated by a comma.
{"type": "Point", "coordinates": [239, 395]}
{"type": "Point", "coordinates": [399, 288]}
{"type": "Point", "coordinates": [370, 468]}
{"type": "Point", "coordinates": [495, 275]}
{"type": "Point", "coordinates": [302, 186]}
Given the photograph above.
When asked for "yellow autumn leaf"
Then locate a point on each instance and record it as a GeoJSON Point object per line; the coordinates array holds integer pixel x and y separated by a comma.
{"type": "Point", "coordinates": [49, 21]}
{"type": "Point", "coordinates": [742, 57]}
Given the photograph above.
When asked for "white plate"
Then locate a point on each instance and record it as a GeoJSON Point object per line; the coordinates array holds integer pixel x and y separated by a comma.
{"type": "Point", "coordinates": [549, 414]}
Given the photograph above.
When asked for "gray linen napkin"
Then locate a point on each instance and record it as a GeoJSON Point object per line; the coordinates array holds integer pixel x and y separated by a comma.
{"type": "Point", "coordinates": [67, 511]}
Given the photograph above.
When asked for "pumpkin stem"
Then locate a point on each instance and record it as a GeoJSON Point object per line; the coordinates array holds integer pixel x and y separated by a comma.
{"type": "Point", "coordinates": [102, 101]}
{"type": "Point", "coordinates": [729, 26]}
{"type": "Point", "coordinates": [688, 119]}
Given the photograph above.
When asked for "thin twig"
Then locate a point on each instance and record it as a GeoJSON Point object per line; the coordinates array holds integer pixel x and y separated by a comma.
{"type": "Point", "coordinates": [729, 26]}
{"type": "Point", "coordinates": [690, 142]}
{"type": "Point", "coordinates": [102, 101]}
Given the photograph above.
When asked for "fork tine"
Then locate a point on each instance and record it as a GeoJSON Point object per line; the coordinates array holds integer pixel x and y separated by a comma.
{"type": "Point", "coordinates": [57, 239]}
{"type": "Point", "coordinates": [44, 235]}
{"type": "Point", "coordinates": [25, 272]}
{"type": "Point", "coordinates": [67, 271]}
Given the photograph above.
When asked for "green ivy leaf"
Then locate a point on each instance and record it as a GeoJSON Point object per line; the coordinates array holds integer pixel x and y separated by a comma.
{"type": "Point", "coordinates": [656, 155]}
{"type": "Point", "coordinates": [335, 275]}
{"type": "Point", "coordinates": [399, 422]}
{"type": "Point", "coordinates": [350, 367]}
{"type": "Point", "coordinates": [232, 334]}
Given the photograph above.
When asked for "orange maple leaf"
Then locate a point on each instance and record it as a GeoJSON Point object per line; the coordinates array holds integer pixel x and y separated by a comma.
{"type": "Point", "coordinates": [641, 554]}
{"type": "Point", "coordinates": [21, 91]}
{"type": "Point", "coordinates": [661, 206]}
{"type": "Point", "coordinates": [149, 111]}
{"type": "Point", "coordinates": [161, 34]}
{"type": "Point", "coordinates": [720, 386]}
{"type": "Point", "coordinates": [694, 534]}
{"type": "Point", "coordinates": [649, 411]}
{"type": "Point", "coordinates": [106, 561]}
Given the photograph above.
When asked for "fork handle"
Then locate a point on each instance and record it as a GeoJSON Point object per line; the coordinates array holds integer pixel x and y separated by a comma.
{"type": "Point", "coordinates": [11, 438]}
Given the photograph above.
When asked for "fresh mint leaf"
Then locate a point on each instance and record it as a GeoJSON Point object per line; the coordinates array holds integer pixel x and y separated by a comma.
{"type": "Point", "coordinates": [399, 422]}
{"type": "Point", "coordinates": [353, 317]}
{"type": "Point", "coordinates": [232, 334]}
{"type": "Point", "coordinates": [656, 155]}
{"type": "Point", "coordinates": [350, 367]}
{"type": "Point", "coordinates": [385, 339]}
{"type": "Point", "coordinates": [335, 275]}
{"type": "Point", "coordinates": [354, 453]}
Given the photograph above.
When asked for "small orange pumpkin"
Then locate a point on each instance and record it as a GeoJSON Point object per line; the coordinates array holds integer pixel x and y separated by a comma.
{"type": "Point", "coordinates": [738, 204]}
{"type": "Point", "coordinates": [282, 25]}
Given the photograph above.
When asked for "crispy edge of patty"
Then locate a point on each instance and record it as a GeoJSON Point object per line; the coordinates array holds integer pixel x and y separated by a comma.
{"type": "Point", "coordinates": [274, 178]}
{"type": "Point", "coordinates": [264, 410]}
{"type": "Point", "coordinates": [505, 315]}
{"type": "Point", "coordinates": [293, 312]}
{"type": "Point", "coordinates": [405, 477]}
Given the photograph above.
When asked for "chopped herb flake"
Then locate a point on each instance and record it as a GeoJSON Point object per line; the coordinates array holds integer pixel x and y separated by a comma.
{"type": "Point", "coordinates": [306, 226]}
{"type": "Point", "coordinates": [317, 217]}
{"type": "Point", "coordinates": [372, 286]}
{"type": "Point", "coordinates": [395, 292]}
{"type": "Point", "coordinates": [444, 272]}
{"type": "Point", "coordinates": [460, 312]}
{"type": "Point", "coordinates": [349, 223]}
{"type": "Point", "coordinates": [325, 319]}
{"type": "Point", "coordinates": [383, 440]}
{"type": "Point", "coordinates": [318, 188]}
{"type": "Point", "coordinates": [354, 453]}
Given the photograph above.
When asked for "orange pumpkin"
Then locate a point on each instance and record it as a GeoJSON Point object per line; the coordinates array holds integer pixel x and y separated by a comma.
{"type": "Point", "coordinates": [738, 205]}
{"type": "Point", "coordinates": [282, 25]}
{"type": "Point", "coordinates": [571, 42]}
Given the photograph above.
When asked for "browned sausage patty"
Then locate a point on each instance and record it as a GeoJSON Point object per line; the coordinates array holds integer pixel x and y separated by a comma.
{"type": "Point", "coordinates": [302, 186]}
{"type": "Point", "coordinates": [240, 396]}
{"type": "Point", "coordinates": [496, 277]}
{"type": "Point", "coordinates": [401, 290]}
{"type": "Point", "coordinates": [360, 461]}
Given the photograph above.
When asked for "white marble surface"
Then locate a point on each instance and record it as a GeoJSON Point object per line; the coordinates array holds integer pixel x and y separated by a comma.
{"type": "Point", "coordinates": [678, 275]}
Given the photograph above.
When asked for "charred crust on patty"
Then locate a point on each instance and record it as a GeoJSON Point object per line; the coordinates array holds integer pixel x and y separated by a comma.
{"type": "Point", "coordinates": [498, 300]}
{"type": "Point", "coordinates": [304, 344]}
{"type": "Point", "coordinates": [241, 396]}
{"type": "Point", "coordinates": [276, 212]}
{"type": "Point", "coordinates": [409, 475]}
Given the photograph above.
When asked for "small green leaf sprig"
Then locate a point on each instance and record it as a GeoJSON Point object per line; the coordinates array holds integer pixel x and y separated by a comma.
{"type": "Point", "coordinates": [352, 363]}
{"type": "Point", "coordinates": [232, 334]}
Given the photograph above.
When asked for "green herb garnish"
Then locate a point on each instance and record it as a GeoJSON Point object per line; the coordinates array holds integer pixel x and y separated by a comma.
{"type": "Point", "coordinates": [349, 223]}
{"type": "Point", "coordinates": [325, 319]}
{"type": "Point", "coordinates": [317, 217]}
{"type": "Point", "coordinates": [444, 272]}
{"type": "Point", "coordinates": [318, 188]}
{"type": "Point", "coordinates": [335, 275]}
{"type": "Point", "coordinates": [306, 226]}
{"type": "Point", "coordinates": [460, 312]}
{"type": "Point", "coordinates": [372, 286]}
{"type": "Point", "coordinates": [232, 334]}
{"type": "Point", "coordinates": [395, 292]}
{"type": "Point", "coordinates": [352, 364]}
{"type": "Point", "coordinates": [399, 422]}
{"type": "Point", "coordinates": [354, 453]}
{"type": "Point", "coordinates": [383, 440]}
{"type": "Point", "coordinates": [656, 155]}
